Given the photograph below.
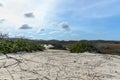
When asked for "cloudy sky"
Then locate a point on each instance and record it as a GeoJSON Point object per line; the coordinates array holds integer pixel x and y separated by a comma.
{"type": "Point", "coordinates": [61, 19]}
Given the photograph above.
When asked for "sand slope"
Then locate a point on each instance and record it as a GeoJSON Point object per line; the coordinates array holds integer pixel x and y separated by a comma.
{"type": "Point", "coordinates": [60, 65]}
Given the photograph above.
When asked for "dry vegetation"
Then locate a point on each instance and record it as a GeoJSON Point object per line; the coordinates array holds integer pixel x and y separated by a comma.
{"type": "Point", "coordinates": [109, 48]}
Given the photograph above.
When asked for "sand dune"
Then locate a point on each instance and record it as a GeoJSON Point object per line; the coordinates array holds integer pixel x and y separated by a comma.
{"type": "Point", "coordinates": [60, 65]}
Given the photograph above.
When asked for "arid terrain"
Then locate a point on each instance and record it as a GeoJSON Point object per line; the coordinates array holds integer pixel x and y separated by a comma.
{"type": "Point", "coordinates": [59, 65]}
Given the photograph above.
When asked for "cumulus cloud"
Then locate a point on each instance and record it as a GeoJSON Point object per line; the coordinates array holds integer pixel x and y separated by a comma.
{"type": "Point", "coordinates": [25, 26]}
{"type": "Point", "coordinates": [29, 15]}
{"type": "Point", "coordinates": [41, 30]}
{"type": "Point", "coordinates": [64, 26]}
{"type": "Point", "coordinates": [2, 20]}
{"type": "Point", "coordinates": [44, 12]}
{"type": "Point", "coordinates": [1, 5]}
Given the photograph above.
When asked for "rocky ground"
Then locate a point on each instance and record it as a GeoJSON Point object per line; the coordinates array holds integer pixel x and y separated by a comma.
{"type": "Point", "coordinates": [59, 65]}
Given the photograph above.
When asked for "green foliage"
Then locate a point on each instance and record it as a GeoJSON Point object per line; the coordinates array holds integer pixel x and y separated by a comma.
{"type": "Point", "coordinates": [82, 47]}
{"type": "Point", "coordinates": [7, 46]}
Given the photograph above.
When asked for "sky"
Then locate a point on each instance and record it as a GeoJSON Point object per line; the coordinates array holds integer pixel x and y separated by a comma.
{"type": "Point", "coordinates": [61, 19]}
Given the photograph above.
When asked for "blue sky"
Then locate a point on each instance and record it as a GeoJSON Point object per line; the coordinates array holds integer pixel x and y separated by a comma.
{"type": "Point", "coordinates": [61, 19]}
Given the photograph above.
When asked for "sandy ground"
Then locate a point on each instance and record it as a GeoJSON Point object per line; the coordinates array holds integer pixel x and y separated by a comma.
{"type": "Point", "coordinates": [60, 65]}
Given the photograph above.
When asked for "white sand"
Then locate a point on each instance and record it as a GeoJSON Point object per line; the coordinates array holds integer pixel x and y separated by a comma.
{"type": "Point", "coordinates": [60, 65]}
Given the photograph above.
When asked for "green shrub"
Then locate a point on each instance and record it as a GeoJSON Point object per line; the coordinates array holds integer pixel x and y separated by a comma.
{"type": "Point", "coordinates": [82, 47]}
{"type": "Point", "coordinates": [7, 46]}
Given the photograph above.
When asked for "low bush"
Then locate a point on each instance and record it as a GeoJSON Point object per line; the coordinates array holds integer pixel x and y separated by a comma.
{"type": "Point", "coordinates": [20, 45]}
{"type": "Point", "coordinates": [82, 47]}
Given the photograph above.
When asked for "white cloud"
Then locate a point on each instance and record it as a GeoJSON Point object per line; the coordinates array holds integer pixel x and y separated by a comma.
{"type": "Point", "coordinates": [2, 20]}
{"type": "Point", "coordinates": [1, 5]}
{"type": "Point", "coordinates": [25, 27]}
{"type": "Point", "coordinates": [29, 15]}
{"type": "Point", "coordinates": [44, 11]}
{"type": "Point", "coordinates": [54, 32]}
{"type": "Point", "coordinates": [40, 31]}
{"type": "Point", "coordinates": [64, 26]}
{"type": "Point", "coordinates": [43, 34]}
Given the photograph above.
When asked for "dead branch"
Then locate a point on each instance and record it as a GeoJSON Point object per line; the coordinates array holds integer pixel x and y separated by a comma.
{"type": "Point", "coordinates": [10, 74]}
